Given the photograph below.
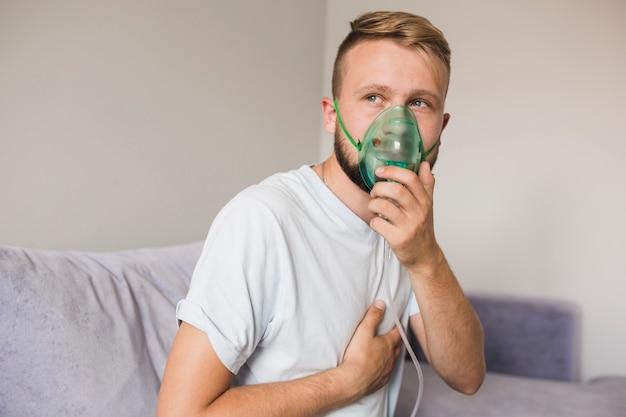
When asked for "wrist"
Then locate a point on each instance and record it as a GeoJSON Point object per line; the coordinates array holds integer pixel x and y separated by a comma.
{"type": "Point", "coordinates": [347, 381]}
{"type": "Point", "coordinates": [431, 266]}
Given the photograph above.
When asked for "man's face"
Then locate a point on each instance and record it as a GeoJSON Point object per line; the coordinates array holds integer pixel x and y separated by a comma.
{"type": "Point", "coordinates": [379, 74]}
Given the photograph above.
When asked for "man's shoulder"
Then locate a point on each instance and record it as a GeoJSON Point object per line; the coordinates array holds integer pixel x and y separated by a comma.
{"type": "Point", "coordinates": [278, 189]}
{"type": "Point", "coordinates": [278, 195]}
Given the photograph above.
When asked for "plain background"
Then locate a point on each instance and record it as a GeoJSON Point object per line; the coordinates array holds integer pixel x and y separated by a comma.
{"type": "Point", "coordinates": [128, 124]}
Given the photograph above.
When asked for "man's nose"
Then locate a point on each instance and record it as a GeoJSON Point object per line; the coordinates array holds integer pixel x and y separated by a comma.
{"type": "Point", "coordinates": [397, 126]}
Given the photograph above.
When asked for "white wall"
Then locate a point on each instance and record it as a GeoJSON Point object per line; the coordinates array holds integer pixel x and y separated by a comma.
{"type": "Point", "coordinates": [130, 123]}
{"type": "Point", "coordinates": [531, 180]}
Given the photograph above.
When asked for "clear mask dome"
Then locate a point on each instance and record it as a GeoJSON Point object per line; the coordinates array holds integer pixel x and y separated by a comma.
{"type": "Point", "coordinates": [393, 138]}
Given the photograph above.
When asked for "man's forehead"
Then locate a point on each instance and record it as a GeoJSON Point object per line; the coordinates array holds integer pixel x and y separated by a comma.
{"type": "Point", "coordinates": [378, 54]}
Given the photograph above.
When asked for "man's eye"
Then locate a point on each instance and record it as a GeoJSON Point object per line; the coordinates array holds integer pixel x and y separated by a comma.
{"type": "Point", "coordinates": [418, 103]}
{"type": "Point", "coordinates": [373, 98]}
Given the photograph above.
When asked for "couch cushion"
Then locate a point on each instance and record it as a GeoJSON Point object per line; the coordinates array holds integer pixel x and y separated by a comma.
{"type": "Point", "coordinates": [513, 396]}
{"type": "Point", "coordinates": [87, 334]}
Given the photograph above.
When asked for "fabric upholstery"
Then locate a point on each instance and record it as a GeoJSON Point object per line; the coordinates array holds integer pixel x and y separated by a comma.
{"type": "Point", "coordinates": [514, 396]}
{"type": "Point", "coordinates": [527, 336]}
{"type": "Point", "coordinates": [530, 336]}
{"type": "Point", "coordinates": [87, 334]}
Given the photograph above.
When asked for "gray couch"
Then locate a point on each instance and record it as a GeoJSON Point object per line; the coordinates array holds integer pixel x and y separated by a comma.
{"type": "Point", "coordinates": [532, 355]}
{"type": "Point", "coordinates": [87, 334]}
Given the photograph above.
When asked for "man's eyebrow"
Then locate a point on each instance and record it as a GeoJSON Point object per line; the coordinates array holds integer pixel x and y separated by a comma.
{"type": "Point", "coordinates": [373, 87]}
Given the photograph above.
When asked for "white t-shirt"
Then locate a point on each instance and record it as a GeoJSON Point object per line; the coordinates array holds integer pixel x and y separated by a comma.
{"type": "Point", "coordinates": [286, 274]}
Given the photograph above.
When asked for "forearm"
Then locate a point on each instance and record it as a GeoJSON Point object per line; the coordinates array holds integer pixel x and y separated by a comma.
{"type": "Point", "coordinates": [453, 335]}
{"type": "Point", "coordinates": [308, 396]}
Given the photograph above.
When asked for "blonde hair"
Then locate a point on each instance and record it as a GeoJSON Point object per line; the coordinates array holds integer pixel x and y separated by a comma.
{"type": "Point", "coordinates": [404, 28]}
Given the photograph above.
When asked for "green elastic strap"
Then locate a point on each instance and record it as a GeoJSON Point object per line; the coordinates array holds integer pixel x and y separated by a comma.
{"type": "Point", "coordinates": [358, 145]}
{"type": "Point", "coordinates": [425, 154]}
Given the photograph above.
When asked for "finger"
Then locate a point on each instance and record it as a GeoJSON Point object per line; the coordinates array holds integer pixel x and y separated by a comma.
{"type": "Point", "coordinates": [426, 176]}
{"type": "Point", "coordinates": [395, 174]}
{"type": "Point", "coordinates": [398, 350]}
{"type": "Point", "coordinates": [393, 336]}
{"type": "Point", "coordinates": [385, 206]}
{"type": "Point", "coordinates": [401, 181]}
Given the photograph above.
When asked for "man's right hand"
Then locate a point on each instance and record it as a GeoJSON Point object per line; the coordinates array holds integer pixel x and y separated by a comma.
{"type": "Point", "coordinates": [369, 357]}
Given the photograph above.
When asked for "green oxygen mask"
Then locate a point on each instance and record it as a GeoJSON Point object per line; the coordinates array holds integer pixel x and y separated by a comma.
{"type": "Point", "coordinates": [393, 138]}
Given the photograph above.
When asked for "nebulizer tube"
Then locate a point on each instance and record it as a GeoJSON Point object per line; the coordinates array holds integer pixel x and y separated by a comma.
{"type": "Point", "coordinates": [405, 339]}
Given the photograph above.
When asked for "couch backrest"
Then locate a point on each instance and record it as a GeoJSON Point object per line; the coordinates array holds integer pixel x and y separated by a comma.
{"type": "Point", "coordinates": [530, 336]}
{"type": "Point", "coordinates": [527, 336]}
{"type": "Point", "coordinates": [88, 334]}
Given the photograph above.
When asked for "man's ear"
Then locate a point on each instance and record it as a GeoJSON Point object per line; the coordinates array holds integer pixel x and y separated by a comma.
{"type": "Point", "coordinates": [446, 119]}
{"type": "Point", "coordinates": [329, 114]}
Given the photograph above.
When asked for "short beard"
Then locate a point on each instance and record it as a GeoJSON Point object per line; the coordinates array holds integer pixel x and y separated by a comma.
{"type": "Point", "coordinates": [351, 170]}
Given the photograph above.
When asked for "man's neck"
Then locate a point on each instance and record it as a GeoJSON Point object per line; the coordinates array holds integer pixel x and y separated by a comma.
{"type": "Point", "coordinates": [344, 189]}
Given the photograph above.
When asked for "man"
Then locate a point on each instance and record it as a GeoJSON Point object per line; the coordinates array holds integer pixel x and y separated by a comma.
{"type": "Point", "coordinates": [288, 310]}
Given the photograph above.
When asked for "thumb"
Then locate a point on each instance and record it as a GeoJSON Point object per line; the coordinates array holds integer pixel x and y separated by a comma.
{"type": "Point", "coordinates": [374, 315]}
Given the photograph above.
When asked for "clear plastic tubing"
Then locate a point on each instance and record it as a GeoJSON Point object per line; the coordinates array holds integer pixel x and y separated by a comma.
{"type": "Point", "coordinates": [405, 339]}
